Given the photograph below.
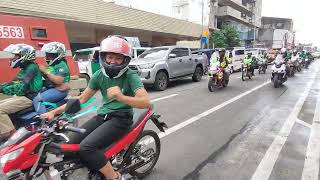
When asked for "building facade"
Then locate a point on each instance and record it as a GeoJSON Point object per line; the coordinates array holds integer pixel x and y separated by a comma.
{"type": "Point", "coordinates": [276, 32]}
{"type": "Point", "coordinates": [244, 15]}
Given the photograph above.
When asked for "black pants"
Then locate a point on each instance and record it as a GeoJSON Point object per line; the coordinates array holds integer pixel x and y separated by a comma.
{"type": "Point", "coordinates": [100, 134]}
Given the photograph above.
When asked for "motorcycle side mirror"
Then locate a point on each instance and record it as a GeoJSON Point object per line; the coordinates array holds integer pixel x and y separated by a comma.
{"type": "Point", "coordinates": [73, 106]}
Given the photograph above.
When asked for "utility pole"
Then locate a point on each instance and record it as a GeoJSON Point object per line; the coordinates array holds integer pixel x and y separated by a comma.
{"type": "Point", "coordinates": [252, 4]}
{"type": "Point", "coordinates": [201, 45]}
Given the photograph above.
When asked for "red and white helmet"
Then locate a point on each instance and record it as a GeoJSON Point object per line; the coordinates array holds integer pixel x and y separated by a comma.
{"type": "Point", "coordinates": [118, 45]}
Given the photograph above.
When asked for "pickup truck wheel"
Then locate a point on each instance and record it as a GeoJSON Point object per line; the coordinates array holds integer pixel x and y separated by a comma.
{"type": "Point", "coordinates": [197, 74]}
{"type": "Point", "coordinates": [161, 82]}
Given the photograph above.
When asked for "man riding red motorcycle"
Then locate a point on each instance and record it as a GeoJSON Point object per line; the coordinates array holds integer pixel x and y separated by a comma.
{"type": "Point", "coordinates": [122, 90]}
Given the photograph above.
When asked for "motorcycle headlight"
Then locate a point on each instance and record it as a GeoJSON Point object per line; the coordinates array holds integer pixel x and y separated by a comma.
{"type": "Point", "coordinates": [146, 66]}
{"type": "Point", "coordinates": [11, 156]}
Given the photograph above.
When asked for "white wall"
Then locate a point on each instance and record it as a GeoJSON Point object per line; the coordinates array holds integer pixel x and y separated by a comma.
{"type": "Point", "coordinates": [194, 12]}
{"type": "Point", "coordinates": [278, 38]}
{"type": "Point", "coordinates": [191, 11]}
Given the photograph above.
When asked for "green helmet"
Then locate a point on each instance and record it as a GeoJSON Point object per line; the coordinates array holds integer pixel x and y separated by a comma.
{"type": "Point", "coordinates": [23, 54]}
{"type": "Point", "coordinates": [55, 51]}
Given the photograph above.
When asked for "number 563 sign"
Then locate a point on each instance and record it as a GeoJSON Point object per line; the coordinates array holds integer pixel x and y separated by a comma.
{"type": "Point", "coordinates": [12, 32]}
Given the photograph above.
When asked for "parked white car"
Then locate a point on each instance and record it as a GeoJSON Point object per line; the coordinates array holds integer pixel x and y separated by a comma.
{"type": "Point", "coordinates": [236, 56]}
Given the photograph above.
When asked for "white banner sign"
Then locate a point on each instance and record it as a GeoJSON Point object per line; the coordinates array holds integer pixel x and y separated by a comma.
{"type": "Point", "coordinates": [11, 32]}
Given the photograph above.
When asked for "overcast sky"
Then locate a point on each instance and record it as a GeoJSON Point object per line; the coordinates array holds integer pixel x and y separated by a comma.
{"type": "Point", "coordinates": [305, 15]}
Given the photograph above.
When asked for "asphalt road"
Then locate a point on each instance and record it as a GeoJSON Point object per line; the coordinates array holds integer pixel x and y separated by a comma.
{"type": "Point", "coordinates": [249, 130]}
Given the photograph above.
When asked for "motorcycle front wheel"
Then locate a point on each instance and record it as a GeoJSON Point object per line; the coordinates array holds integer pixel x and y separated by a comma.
{"type": "Point", "coordinates": [276, 81]}
{"type": "Point", "coordinates": [146, 152]}
{"type": "Point", "coordinates": [243, 75]}
{"type": "Point", "coordinates": [211, 84]}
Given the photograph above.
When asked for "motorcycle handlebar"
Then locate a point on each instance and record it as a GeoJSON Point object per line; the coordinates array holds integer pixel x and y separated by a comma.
{"type": "Point", "coordinates": [74, 129]}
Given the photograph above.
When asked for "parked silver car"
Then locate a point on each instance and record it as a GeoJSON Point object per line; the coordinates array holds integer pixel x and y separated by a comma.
{"type": "Point", "coordinates": [158, 66]}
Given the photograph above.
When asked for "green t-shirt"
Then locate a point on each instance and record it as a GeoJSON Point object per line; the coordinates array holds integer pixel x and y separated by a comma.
{"type": "Point", "coordinates": [59, 69]}
{"type": "Point", "coordinates": [35, 85]}
{"type": "Point", "coordinates": [129, 83]}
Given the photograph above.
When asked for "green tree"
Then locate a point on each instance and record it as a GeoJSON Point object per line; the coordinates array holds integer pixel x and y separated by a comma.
{"type": "Point", "coordinates": [218, 39]}
{"type": "Point", "coordinates": [231, 35]}
{"type": "Point", "coordinates": [228, 36]}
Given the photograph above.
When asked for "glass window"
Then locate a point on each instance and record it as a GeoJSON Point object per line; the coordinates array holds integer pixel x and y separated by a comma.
{"type": "Point", "coordinates": [239, 52]}
{"type": "Point", "coordinates": [39, 33]}
{"type": "Point", "coordinates": [154, 53]}
{"type": "Point", "coordinates": [176, 52]}
{"type": "Point", "coordinates": [184, 52]}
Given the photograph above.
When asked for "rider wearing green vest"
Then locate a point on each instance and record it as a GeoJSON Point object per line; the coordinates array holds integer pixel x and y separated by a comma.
{"type": "Point", "coordinates": [248, 60]}
{"type": "Point", "coordinates": [224, 61]}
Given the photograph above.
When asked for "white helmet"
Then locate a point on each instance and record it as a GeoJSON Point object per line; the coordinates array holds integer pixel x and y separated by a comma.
{"type": "Point", "coordinates": [54, 52]}
{"type": "Point", "coordinates": [283, 50]}
{"type": "Point", "coordinates": [119, 45]}
{"type": "Point", "coordinates": [23, 54]}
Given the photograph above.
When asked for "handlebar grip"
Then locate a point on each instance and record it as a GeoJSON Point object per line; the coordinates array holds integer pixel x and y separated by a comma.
{"type": "Point", "coordinates": [74, 129]}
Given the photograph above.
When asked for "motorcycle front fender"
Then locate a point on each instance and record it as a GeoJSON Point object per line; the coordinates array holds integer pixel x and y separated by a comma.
{"type": "Point", "coordinates": [160, 125]}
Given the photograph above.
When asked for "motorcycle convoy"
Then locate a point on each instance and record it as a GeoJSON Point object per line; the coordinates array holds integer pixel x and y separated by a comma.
{"type": "Point", "coordinates": [285, 65]}
{"type": "Point", "coordinates": [25, 154]}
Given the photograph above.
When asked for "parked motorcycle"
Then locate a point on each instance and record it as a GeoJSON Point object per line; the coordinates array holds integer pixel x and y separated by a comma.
{"type": "Point", "coordinates": [216, 77]}
{"type": "Point", "coordinates": [279, 74]}
{"type": "Point", "coordinates": [25, 155]}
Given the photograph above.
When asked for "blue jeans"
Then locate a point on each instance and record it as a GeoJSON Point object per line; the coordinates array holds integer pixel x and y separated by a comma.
{"type": "Point", "coordinates": [51, 95]}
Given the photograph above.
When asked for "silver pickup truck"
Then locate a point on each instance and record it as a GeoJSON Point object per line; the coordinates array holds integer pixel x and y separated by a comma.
{"type": "Point", "coordinates": [158, 66]}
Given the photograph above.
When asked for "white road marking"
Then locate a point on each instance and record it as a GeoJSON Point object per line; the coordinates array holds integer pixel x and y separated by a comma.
{"type": "Point", "coordinates": [303, 123]}
{"type": "Point", "coordinates": [266, 165]}
{"type": "Point", "coordinates": [210, 111]}
{"type": "Point", "coordinates": [165, 97]}
{"type": "Point", "coordinates": [311, 163]}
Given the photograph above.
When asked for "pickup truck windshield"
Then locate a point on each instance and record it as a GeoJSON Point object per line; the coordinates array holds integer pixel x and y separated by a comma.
{"type": "Point", "coordinates": [154, 53]}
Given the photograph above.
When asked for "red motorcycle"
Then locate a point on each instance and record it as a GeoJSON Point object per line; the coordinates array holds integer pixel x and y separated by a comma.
{"type": "Point", "coordinates": [26, 155]}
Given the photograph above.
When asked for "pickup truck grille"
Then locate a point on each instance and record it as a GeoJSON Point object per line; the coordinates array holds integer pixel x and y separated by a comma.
{"type": "Point", "coordinates": [132, 67]}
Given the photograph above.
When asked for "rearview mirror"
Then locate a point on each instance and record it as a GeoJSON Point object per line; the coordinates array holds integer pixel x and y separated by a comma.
{"type": "Point", "coordinates": [73, 106]}
{"type": "Point", "coordinates": [172, 55]}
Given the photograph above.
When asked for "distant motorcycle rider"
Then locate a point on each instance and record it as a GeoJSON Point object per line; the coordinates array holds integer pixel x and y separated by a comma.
{"type": "Point", "coordinates": [248, 60]}
{"type": "Point", "coordinates": [224, 62]}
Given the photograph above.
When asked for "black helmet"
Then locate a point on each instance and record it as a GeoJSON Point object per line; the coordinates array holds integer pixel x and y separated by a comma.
{"type": "Point", "coordinates": [222, 50]}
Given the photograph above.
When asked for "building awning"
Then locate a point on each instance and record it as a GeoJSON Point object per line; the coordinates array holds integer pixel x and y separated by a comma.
{"type": "Point", "coordinates": [101, 13]}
